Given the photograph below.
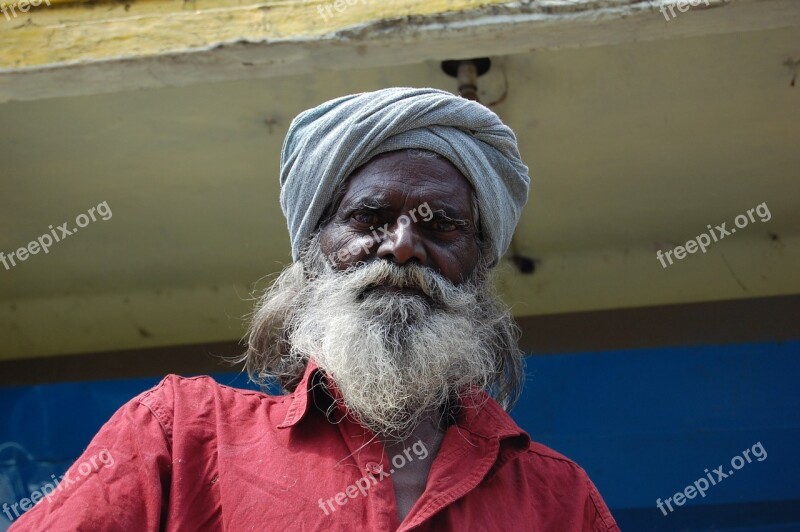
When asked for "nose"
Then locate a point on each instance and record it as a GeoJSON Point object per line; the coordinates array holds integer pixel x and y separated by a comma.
{"type": "Point", "coordinates": [403, 245]}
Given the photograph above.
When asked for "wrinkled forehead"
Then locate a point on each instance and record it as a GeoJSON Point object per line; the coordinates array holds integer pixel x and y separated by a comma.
{"type": "Point", "coordinates": [410, 175]}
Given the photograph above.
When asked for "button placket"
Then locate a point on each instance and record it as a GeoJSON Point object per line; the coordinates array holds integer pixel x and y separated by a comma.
{"type": "Point", "coordinates": [380, 497]}
{"type": "Point", "coordinates": [381, 494]}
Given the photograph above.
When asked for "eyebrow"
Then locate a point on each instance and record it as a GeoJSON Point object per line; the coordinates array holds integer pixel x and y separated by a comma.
{"type": "Point", "coordinates": [441, 214]}
{"type": "Point", "coordinates": [450, 211]}
{"type": "Point", "coordinates": [368, 203]}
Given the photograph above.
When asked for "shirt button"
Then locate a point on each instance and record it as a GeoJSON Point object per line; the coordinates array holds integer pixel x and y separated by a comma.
{"type": "Point", "coordinates": [374, 468]}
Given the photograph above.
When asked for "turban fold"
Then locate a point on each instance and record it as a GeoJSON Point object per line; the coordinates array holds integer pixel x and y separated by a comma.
{"type": "Point", "coordinates": [326, 144]}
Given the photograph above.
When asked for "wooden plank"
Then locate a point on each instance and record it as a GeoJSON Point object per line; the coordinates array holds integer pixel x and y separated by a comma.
{"type": "Point", "coordinates": [160, 47]}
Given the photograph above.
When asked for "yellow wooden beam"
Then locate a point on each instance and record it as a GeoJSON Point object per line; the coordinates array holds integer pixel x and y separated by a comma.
{"type": "Point", "coordinates": [73, 48]}
{"type": "Point", "coordinates": [67, 31]}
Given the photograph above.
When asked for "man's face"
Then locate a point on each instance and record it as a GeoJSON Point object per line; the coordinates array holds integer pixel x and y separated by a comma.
{"type": "Point", "coordinates": [392, 299]}
{"type": "Point", "coordinates": [406, 207]}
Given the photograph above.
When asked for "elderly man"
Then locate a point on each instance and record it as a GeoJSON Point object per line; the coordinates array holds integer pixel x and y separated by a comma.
{"type": "Point", "coordinates": [398, 360]}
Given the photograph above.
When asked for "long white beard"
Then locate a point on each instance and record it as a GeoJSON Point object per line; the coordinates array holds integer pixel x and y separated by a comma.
{"type": "Point", "coordinates": [396, 358]}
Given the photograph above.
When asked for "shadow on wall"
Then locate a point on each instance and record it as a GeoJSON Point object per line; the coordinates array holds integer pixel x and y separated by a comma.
{"type": "Point", "coordinates": [21, 476]}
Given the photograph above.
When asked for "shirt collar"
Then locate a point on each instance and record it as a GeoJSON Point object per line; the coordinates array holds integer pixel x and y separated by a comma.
{"type": "Point", "coordinates": [299, 398]}
{"type": "Point", "coordinates": [480, 414]}
{"type": "Point", "coordinates": [484, 417]}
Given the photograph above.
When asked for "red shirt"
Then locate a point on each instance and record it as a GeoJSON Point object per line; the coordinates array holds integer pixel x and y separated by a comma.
{"type": "Point", "coordinates": [191, 454]}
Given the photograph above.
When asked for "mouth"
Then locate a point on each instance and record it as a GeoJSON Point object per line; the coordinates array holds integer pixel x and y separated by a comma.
{"type": "Point", "coordinates": [397, 290]}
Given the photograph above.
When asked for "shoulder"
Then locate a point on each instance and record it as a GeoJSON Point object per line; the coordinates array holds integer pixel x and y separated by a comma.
{"type": "Point", "coordinates": [546, 455]}
{"type": "Point", "coordinates": [553, 467]}
{"type": "Point", "coordinates": [562, 475]}
{"type": "Point", "coordinates": [174, 387]}
{"type": "Point", "coordinates": [179, 399]}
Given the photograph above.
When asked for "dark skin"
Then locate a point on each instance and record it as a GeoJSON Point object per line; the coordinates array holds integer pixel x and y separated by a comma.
{"type": "Point", "coordinates": [443, 238]}
{"type": "Point", "coordinates": [395, 184]}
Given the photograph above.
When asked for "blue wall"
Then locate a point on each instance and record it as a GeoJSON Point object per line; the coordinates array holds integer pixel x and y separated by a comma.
{"type": "Point", "coordinates": [643, 423]}
{"type": "Point", "coordinates": [646, 423]}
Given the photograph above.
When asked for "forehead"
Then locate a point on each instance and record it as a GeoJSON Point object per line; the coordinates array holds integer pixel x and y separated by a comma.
{"type": "Point", "coordinates": [409, 176]}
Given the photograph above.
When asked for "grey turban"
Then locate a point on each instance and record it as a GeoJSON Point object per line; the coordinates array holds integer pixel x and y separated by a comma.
{"type": "Point", "coordinates": [326, 144]}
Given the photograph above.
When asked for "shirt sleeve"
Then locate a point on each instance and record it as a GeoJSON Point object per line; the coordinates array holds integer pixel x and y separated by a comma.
{"type": "Point", "coordinates": [121, 481]}
{"type": "Point", "coordinates": [597, 516]}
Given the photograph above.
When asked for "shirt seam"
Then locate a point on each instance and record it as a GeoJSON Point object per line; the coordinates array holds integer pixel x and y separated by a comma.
{"type": "Point", "coordinates": [552, 457]}
{"type": "Point", "coordinates": [239, 391]}
{"type": "Point", "coordinates": [600, 509]}
{"type": "Point", "coordinates": [594, 495]}
{"type": "Point", "coordinates": [155, 411]}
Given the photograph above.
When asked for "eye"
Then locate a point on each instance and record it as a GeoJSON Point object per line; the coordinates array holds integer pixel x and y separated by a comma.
{"type": "Point", "coordinates": [444, 226]}
{"type": "Point", "coordinates": [367, 217]}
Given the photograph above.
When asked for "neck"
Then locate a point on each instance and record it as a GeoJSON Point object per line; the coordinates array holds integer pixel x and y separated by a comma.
{"type": "Point", "coordinates": [418, 451]}
{"type": "Point", "coordinates": [427, 437]}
